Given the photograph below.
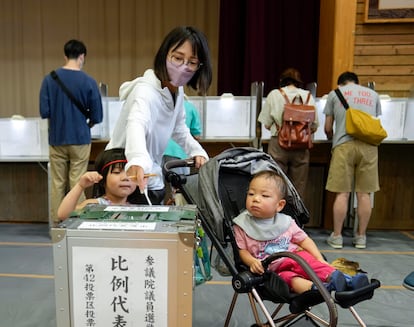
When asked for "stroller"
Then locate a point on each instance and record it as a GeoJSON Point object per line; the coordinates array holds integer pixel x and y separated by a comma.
{"type": "Point", "coordinates": [219, 191]}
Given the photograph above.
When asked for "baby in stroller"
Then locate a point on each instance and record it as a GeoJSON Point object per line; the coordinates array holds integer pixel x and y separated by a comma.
{"type": "Point", "coordinates": [262, 230]}
{"type": "Point", "coordinates": [219, 191]}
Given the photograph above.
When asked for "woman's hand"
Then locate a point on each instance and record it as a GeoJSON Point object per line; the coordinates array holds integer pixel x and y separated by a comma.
{"type": "Point", "coordinates": [136, 173]}
{"type": "Point", "coordinates": [199, 161]}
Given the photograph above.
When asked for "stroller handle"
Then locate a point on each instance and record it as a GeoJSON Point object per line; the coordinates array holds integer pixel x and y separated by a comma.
{"type": "Point", "coordinates": [179, 163]}
{"type": "Point", "coordinates": [172, 177]}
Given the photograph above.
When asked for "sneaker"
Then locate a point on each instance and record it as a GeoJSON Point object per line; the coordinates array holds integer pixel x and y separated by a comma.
{"type": "Point", "coordinates": [337, 282]}
{"type": "Point", "coordinates": [335, 241]}
{"type": "Point", "coordinates": [409, 281]}
{"type": "Point", "coordinates": [360, 241]}
{"type": "Point", "coordinates": [358, 281]}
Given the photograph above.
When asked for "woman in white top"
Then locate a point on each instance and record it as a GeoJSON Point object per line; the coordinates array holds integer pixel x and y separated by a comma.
{"type": "Point", "coordinates": [153, 111]}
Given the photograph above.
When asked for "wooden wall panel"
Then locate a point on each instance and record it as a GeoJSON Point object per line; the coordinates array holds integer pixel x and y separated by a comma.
{"type": "Point", "coordinates": [384, 53]}
{"type": "Point", "coordinates": [381, 52]}
{"type": "Point", "coordinates": [121, 36]}
{"type": "Point", "coordinates": [24, 192]}
{"type": "Point", "coordinates": [394, 205]}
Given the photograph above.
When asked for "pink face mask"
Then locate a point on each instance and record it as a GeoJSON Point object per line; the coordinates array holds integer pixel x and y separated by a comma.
{"type": "Point", "coordinates": [179, 75]}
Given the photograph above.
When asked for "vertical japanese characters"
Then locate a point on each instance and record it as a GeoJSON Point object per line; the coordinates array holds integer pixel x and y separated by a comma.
{"type": "Point", "coordinates": [119, 285]}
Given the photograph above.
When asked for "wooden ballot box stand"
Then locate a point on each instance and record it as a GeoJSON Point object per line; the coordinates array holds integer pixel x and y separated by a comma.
{"type": "Point", "coordinates": [132, 266]}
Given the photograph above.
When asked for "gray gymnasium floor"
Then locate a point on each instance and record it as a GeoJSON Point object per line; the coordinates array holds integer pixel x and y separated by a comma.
{"type": "Point", "coordinates": [27, 283]}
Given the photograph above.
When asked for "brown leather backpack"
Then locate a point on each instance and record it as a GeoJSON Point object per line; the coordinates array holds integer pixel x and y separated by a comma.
{"type": "Point", "coordinates": [295, 132]}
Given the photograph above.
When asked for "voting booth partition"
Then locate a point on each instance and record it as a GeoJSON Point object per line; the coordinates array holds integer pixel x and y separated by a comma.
{"type": "Point", "coordinates": [396, 118]}
{"type": "Point", "coordinates": [24, 139]}
{"type": "Point", "coordinates": [227, 121]}
{"type": "Point", "coordinates": [224, 117]}
{"type": "Point", "coordinates": [234, 118]}
{"type": "Point", "coordinates": [125, 266]}
{"type": "Point", "coordinates": [227, 116]}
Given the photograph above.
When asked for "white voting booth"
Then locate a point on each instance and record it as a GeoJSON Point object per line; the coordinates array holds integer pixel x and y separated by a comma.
{"type": "Point", "coordinates": [230, 117]}
{"type": "Point", "coordinates": [23, 139]}
{"type": "Point", "coordinates": [397, 117]}
{"type": "Point", "coordinates": [225, 117]}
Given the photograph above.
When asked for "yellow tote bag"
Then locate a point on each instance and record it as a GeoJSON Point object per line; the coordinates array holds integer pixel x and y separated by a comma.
{"type": "Point", "coordinates": [362, 125]}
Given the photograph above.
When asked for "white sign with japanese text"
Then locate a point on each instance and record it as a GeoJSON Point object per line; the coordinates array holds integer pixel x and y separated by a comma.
{"type": "Point", "coordinates": [119, 287]}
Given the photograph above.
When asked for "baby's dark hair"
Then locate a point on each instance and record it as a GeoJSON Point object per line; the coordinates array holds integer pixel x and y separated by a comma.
{"type": "Point", "coordinates": [277, 178]}
{"type": "Point", "coordinates": [104, 163]}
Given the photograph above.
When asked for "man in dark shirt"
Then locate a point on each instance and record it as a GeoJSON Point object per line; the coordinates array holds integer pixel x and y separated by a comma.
{"type": "Point", "coordinates": [69, 128]}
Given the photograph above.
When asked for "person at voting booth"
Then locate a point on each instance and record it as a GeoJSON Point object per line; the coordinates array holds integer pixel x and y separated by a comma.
{"type": "Point", "coordinates": [175, 152]}
{"type": "Point", "coordinates": [70, 99]}
{"type": "Point", "coordinates": [111, 184]}
{"type": "Point", "coordinates": [153, 109]}
{"type": "Point", "coordinates": [354, 163]}
{"type": "Point", "coordinates": [294, 162]}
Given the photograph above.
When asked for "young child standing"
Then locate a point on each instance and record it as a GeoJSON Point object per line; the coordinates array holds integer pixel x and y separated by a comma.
{"type": "Point", "coordinates": [111, 184]}
{"type": "Point", "coordinates": [262, 230]}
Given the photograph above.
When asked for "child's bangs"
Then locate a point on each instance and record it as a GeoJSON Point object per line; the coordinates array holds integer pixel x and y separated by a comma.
{"type": "Point", "coordinates": [117, 165]}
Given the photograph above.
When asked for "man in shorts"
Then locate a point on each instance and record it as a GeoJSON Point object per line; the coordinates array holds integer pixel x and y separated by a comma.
{"type": "Point", "coordinates": [354, 164]}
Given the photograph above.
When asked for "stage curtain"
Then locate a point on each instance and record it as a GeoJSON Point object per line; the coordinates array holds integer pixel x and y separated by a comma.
{"type": "Point", "coordinates": [259, 39]}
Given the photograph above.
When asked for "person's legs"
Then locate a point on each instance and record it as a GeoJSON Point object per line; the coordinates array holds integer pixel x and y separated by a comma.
{"type": "Point", "coordinates": [58, 162]}
{"type": "Point", "coordinates": [298, 170]}
{"type": "Point", "coordinates": [340, 209]}
{"type": "Point", "coordinates": [366, 181]}
{"type": "Point", "coordinates": [300, 284]}
{"type": "Point", "coordinates": [364, 212]}
{"type": "Point", "coordinates": [337, 283]}
{"type": "Point", "coordinates": [321, 269]}
{"type": "Point", "coordinates": [340, 180]}
{"type": "Point", "coordinates": [299, 281]}
{"type": "Point", "coordinates": [278, 154]}
{"type": "Point", "coordinates": [79, 161]}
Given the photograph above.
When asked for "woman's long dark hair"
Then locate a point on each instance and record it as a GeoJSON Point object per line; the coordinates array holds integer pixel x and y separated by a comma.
{"type": "Point", "coordinates": [201, 80]}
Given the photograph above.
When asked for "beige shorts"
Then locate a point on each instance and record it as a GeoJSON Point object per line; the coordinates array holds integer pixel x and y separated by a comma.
{"type": "Point", "coordinates": [354, 165]}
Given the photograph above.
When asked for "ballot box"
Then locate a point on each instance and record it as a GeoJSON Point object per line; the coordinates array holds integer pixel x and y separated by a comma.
{"type": "Point", "coordinates": [125, 266]}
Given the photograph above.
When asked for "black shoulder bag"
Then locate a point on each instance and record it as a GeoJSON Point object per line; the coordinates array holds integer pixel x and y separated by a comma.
{"type": "Point", "coordinates": [85, 111]}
